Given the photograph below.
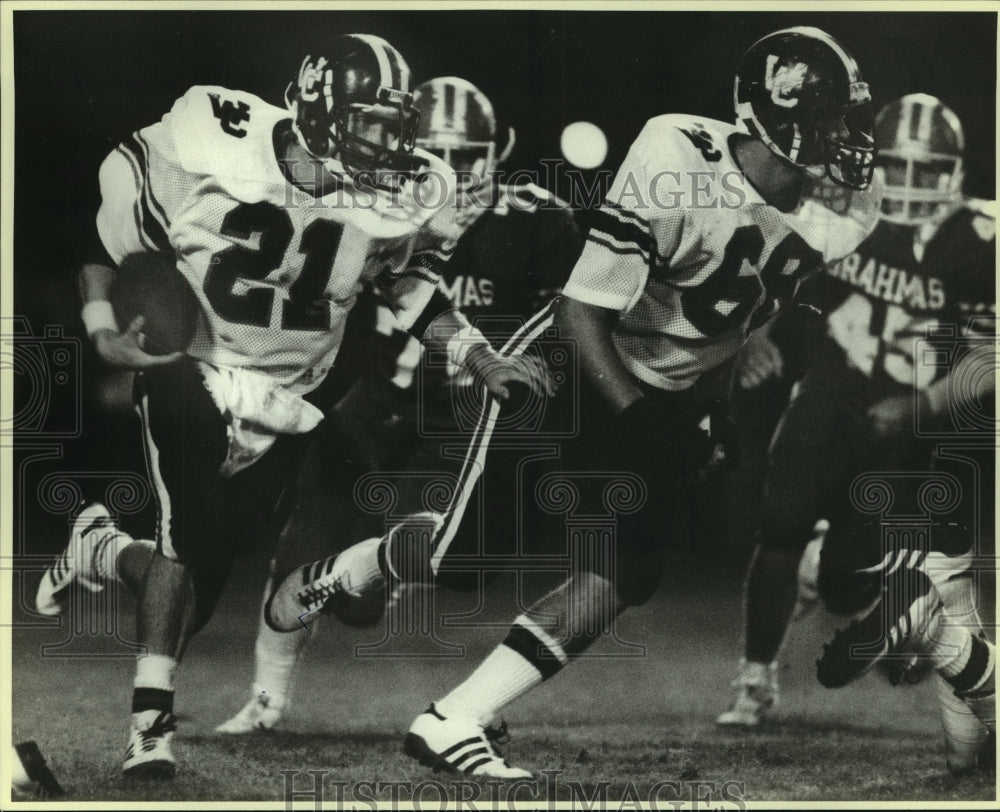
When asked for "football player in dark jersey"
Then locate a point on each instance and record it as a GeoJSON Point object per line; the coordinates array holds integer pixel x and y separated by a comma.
{"type": "Point", "coordinates": [903, 313]}
{"type": "Point", "coordinates": [517, 247]}
{"type": "Point", "coordinates": [670, 282]}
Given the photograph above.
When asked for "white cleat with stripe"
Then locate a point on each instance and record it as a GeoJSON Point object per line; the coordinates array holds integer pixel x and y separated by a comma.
{"type": "Point", "coordinates": [457, 746]}
{"type": "Point", "coordinates": [305, 592]}
{"type": "Point", "coordinates": [92, 529]}
{"type": "Point", "coordinates": [262, 712]}
{"type": "Point", "coordinates": [148, 756]}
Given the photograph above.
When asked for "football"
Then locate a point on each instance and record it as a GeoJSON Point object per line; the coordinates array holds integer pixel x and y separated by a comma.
{"type": "Point", "coordinates": [149, 285]}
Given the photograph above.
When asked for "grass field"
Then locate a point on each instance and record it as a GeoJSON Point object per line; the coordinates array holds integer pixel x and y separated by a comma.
{"type": "Point", "coordinates": [629, 722]}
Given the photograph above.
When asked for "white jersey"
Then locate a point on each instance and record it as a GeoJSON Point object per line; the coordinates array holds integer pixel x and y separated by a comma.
{"type": "Point", "coordinates": [275, 268]}
{"type": "Point", "coordinates": [693, 257]}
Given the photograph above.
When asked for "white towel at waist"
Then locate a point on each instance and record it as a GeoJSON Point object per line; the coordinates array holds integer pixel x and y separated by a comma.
{"type": "Point", "coordinates": [256, 410]}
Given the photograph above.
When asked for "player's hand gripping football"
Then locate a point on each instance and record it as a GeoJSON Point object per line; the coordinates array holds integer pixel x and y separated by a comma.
{"type": "Point", "coordinates": [502, 374]}
{"type": "Point", "coordinates": [127, 349]}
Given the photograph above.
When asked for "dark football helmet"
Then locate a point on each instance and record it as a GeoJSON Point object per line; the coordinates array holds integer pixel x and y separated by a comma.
{"type": "Point", "coordinates": [921, 154]}
{"type": "Point", "coordinates": [800, 92]}
{"type": "Point", "coordinates": [353, 104]}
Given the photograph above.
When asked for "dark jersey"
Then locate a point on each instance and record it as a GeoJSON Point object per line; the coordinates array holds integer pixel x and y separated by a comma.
{"type": "Point", "coordinates": [895, 306]}
{"type": "Point", "coordinates": [512, 260]}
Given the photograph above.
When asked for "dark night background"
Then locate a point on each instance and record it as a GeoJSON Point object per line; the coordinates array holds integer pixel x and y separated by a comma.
{"type": "Point", "coordinates": [83, 79]}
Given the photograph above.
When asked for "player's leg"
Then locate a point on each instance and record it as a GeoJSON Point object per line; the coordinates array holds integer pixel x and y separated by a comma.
{"type": "Point", "coordinates": [322, 515]}
{"type": "Point", "coordinates": [98, 551]}
{"type": "Point", "coordinates": [453, 734]}
{"type": "Point", "coordinates": [360, 434]}
{"type": "Point", "coordinates": [408, 552]}
{"type": "Point", "coordinates": [807, 462]}
{"type": "Point", "coordinates": [925, 609]}
{"type": "Point", "coordinates": [185, 442]}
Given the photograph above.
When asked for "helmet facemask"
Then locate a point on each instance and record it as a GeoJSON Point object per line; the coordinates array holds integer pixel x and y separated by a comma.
{"type": "Point", "coordinates": [921, 160]}
{"type": "Point", "coordinates": [849, 150]}
{"type": "Point", "coordinates": [377, 138]}
{"type": "Point", "coordinates": [458, 125]}
{"type": "Point", "coordinates": [919, 189]}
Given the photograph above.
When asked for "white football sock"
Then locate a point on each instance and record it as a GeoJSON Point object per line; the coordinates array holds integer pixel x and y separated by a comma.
{"type": "Point", "coordinates": [358, 567]}
{"type": "Point", "coordinates": [528, 656]}
{"type": "Point", "coordinates": [276, 658]}
{"type": "Point", "coordinates": [500, 679]}
{"type": "Point", "coordinates": [155, 671]}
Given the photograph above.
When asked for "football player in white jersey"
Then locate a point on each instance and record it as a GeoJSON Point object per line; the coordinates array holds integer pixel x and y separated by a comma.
{"type": "Point", "coordinates": [517, 249]}
{"type": "Point", "coordinates": [276, 218]}
{"type": "Point", "coordinates": [707, 230]}
{"type": "Point", "coordinates": [928, 268]}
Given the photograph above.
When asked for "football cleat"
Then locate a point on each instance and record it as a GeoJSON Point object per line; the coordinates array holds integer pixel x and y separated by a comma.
{"type": "Point", "coordinates": [262, 712]}
{"type": "Point", "coordinates": [908, 608]}
{"type": "Point", "coordinates": [148, 755]}
{"type": "Point", "coordinates": [92, 529]}
{"type": "Point", "coordinates": [756, 694]}
{"type": "Point", "coordinates": [458, 746]}
{"type": "Point", "coordinates": [317, 587]}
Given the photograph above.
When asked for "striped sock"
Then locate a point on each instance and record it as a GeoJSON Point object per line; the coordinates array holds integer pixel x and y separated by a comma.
{"type": "Point", "coordinates": [526, 658]}
{"type": "Point", "coordinates": [109, 547]}
{"type": "Point", "coordinates": [977, 674]}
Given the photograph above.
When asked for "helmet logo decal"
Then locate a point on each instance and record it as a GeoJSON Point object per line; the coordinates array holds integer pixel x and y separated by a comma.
{"type": "Point", "coordinates": [308, 77]}
{"type": "Point", "coordinates": [784, 81]}
{"type": "Point", "coordinates": [859, 93]}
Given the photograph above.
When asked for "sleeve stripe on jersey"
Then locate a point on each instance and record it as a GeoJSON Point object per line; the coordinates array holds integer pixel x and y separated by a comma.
{"type": "Point", "coordinates": [623, 212]}
{"type": "Point", "coordinates": [164, 220]}
{"type": "Point", "coordinates": [135, 208]}
{"type": "Point", "coordinates": [628, 250]}
{"type": "Point", "coordinates": [152, 229]}
{"type": "Point", "coordinates": [625, 234]}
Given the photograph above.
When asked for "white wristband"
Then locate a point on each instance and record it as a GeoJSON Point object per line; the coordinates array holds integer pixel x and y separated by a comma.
{"type": "Point", "coordinates": [98, 315]}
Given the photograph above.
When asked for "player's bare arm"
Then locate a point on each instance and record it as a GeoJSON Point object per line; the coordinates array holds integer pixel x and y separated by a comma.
{"type": "Point", "coordinates": [590, 326]}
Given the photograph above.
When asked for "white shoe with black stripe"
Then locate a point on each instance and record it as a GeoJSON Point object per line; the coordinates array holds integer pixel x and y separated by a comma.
{"type": "Point", "coordinates": [148, 755]}
{"type": "Point", "coordinates": [318, 586]}
{"type": "Point", "coordinates": [263, 712]}
{"type": "Point", "coordinates": [92, 529]}
{"type": "Point", "coordinates": [457, 745]}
